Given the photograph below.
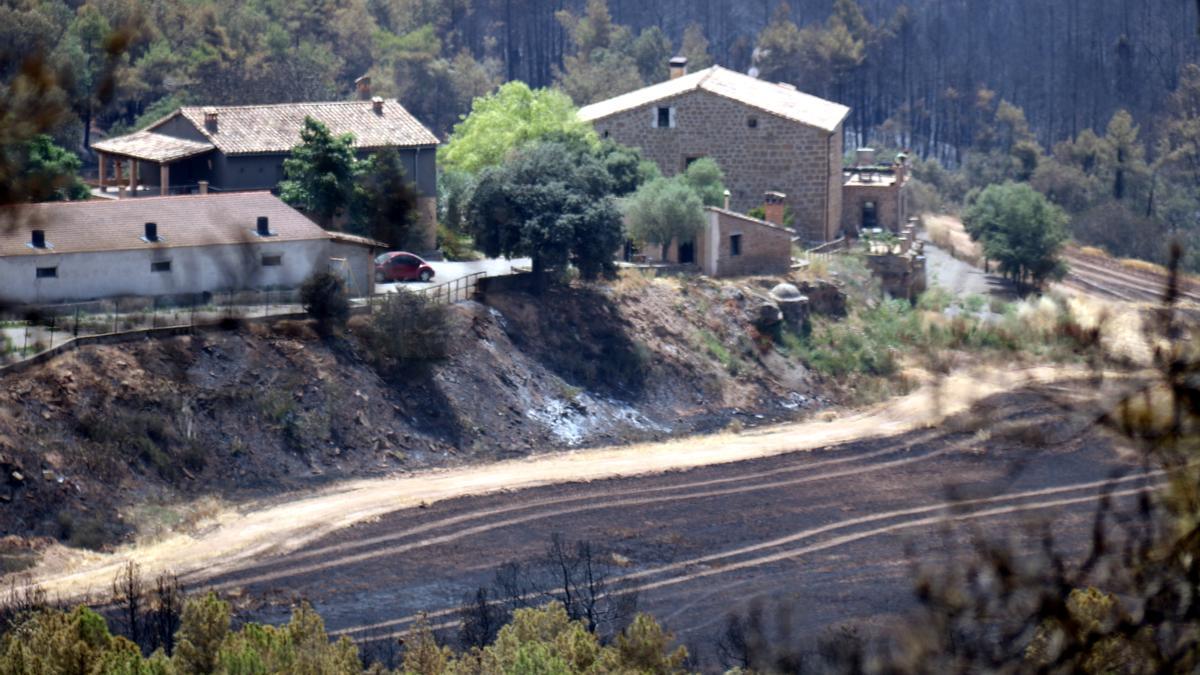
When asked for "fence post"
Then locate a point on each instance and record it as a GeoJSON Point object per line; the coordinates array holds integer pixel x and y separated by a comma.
{"type": "Point", "coordinates": [116, 304]}
{"type": "Point", "coordinates": [75, 333]}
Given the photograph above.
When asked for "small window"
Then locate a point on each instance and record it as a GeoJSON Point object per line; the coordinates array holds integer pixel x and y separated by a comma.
{"type": "Point", "coordinates": [605, 134]}
{"type": "Point", "coordinates": [688, 161]}
{"type": "Point", "coordinates": [752, 122]}
{"type": "Point", "coordinates": [664, 118]}
{"type": "Point", "coordinates": [272, 260]}
{"type": "Point", "coordinates": [160, 266]}
{"type": "Point", "coordinates": [735, 244]}
{"type": "Point", "coordinates": [47, 273]}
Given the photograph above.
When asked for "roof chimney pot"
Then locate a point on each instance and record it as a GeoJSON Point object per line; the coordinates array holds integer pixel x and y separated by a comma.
{"type": "Point", "coordinates": [264, 227]}
{"type": "Point", "coordinates": [210, 119]}
{"type": "Point", "coordinates": [151, 232]}
{"type": "Point", "coordinates": [38, 239]}
{"type": "Point", "coordinates": [773, 207]}
{"type": "Point", "coordinates": [679, 67]}
{"type": "Point", "coordinates": [377, 105]}
{"type": "Point", "coordinates": [363, 86]}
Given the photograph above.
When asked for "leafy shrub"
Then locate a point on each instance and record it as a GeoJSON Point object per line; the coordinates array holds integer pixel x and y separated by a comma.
{"type": "Point", "coordinates": [323, 296]}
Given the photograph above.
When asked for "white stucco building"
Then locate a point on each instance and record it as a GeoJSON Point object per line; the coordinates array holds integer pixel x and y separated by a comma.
{"type": "Point", "coordinates": [169, 246]}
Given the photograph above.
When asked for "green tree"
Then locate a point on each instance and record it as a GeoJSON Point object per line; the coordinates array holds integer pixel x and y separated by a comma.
{"type": "Point", "coordinates": [651, 51]}
{"type": "Point", "coordinates": [323, 297]}
{"type": "Point", "coordinates": [605, 62]}
{"type": "Point", "coordinates": [203, 629]}
{"type": "Point", "coordinates": [1020, 229]}
{"type": "Point", "coordinates": [626, 167]}
{"type": "Point", "coordinates": [707, 180]}
{"type": "Point", "coordinates": [551, 204]}
{"type": "Point", "coordinates": [1126, 157]}
{"type": "Point", "coordinates": [320, 173]}
{"type": "Point", "coordinates": [52, 172]}
{"type": "Point", "coordinates": [385, 206]}
{"type": "Point", "coordinates": [664, 210]}
{"type": "Point", "coordinates": [73, 643]}
{"type": "Point", "coordinates": [695, 47]}
{"type": "Point", "coordinates": [507, 120]}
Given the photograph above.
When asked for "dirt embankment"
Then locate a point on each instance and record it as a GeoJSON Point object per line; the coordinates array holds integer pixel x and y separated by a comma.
{"type": "Point", "coordinates": [137, 439]}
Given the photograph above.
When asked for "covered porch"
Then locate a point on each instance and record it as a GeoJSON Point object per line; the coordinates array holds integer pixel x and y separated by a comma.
{"type": "Point", "coordinates": [128, 157]}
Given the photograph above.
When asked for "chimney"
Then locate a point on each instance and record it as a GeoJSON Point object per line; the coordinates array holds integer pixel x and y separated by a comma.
{"type": "Point", "coordinates": [120, 192]}
{"type": "Point", "coordinates": [678, 67]}
{"type": "Point", "coordinates": [264, 227]}
{"type": "Point", "coordinates": [38, 240]}
{"type": "Point", "coordinates": [773, 207]}
{"type": "Point", "coordinates": [363, 86]}
{"type": "Point", "coordinates": [151, 232]}
{"type": "Point", "coordinates": [728, 196]}
{"type": "Point", "coordinates": [901, 168]}
{"type": "Point", "coordinates": [210, 119]}
{"type": "Point", "coordinates": [203, 187]}
{"type": "Point", "coordinates": [377, 104]}
{"type": "Point", "coordinates": [865, 157]}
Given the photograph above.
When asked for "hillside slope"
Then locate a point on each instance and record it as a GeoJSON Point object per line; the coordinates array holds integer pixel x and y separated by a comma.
{"type": "Point", "coordinates": [112, 442]}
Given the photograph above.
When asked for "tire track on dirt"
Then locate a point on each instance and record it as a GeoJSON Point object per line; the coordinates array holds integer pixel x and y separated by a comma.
{"type": "Point", "coordinates": [810, 533]}
{"type": "Point", "coordinates": [553, 513]}
{"type": "Point", "coordinates": [492, 512]}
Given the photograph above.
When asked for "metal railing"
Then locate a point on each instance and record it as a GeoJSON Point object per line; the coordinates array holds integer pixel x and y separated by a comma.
{"type": "Point", "coordinates": [455, 290]}
{"type": "Point", "coordinates": [32, 330]}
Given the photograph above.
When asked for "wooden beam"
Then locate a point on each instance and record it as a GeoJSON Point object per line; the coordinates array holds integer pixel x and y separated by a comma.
{"type": "Point", "coordinates": [103, 161]}
{"type": "Point", "coordinates": [164, 178]}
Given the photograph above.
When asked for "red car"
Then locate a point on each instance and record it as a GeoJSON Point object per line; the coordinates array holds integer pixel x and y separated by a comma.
{"type": "Point", "coordinates": [401, 266]}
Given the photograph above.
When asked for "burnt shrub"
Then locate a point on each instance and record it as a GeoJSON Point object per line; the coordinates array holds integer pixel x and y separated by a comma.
{"type": "Point", "coordinates": [407, 329]}
{"type": "Point", "coordinates": [323, 296]}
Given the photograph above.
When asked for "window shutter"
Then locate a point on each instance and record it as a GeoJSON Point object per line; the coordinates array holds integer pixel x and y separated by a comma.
{"type": "Point", "coordinates": [653, 117]}
{"type": "Point", "coordinates": [672, 117]}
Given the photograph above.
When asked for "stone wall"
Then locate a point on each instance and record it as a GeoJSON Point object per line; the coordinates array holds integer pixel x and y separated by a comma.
{"type": "Point", "coordinates": [765, 249]}
{"type": "Point", "coordinates": [890, 212]}
{"type": "Point", "coordinates": [775, 154]}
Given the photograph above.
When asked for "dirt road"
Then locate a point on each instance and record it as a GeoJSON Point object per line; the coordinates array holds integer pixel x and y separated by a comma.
{"type": "Point", "coordinates": [833, 532]}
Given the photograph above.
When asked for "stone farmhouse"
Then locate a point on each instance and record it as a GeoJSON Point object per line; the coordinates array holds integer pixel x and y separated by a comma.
{"type": "Point", "coordinates": [179, 246]}
{"type": "Point", "coordinates": [766, 137]}
{"type": "Point", "coordinates": [198, 149]}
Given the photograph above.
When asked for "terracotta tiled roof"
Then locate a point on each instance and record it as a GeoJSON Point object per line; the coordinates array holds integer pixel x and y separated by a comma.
{"type": "Point", "coordinates": [749, 219]}
{"type": "Point", "coordinates": [119, 224]}
{"type": "Point", "coordinates": [254, 129]}
{"type": "Point", "coordinates": [777, 99]}
{"type": "Point", "coordinates": [152, 147]}
{"type": "Point", "coordinates": [347, 238]}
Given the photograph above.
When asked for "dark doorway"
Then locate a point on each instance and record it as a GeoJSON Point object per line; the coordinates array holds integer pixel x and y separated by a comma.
{"type": "Point", "coordinates": [869, 221]}
{"type": "Point", "coordinates": [687, 253]}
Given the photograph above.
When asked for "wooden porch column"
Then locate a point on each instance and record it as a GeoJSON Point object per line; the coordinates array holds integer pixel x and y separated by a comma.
{"type": "Point", "coordinates": [132, 177]}
{"type": "Point", "coordinates": [103, 160]}
{"type": "Point", "coordinates": [119, 170]}
{"type": "Point", "coordinates": [164, 178]}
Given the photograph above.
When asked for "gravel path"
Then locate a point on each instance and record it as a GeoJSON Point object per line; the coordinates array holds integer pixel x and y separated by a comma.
{"type": "Point", "coordinates": [962, 278]}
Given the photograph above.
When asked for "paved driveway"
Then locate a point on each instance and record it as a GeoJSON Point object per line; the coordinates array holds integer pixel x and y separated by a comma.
{"type": "Point", "coordinates": [449, 271]}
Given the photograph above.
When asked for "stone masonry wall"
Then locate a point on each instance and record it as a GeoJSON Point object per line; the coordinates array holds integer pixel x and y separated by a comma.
{"type": "Point", "coordinates": [889, 212]}
{"type": "Point", "coordinates": [780, 155]}
{"type": "Point", "coordinates": [765, 249]}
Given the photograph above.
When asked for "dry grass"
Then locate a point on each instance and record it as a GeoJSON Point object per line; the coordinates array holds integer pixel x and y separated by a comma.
{"type": "Point", "coordinates": [1093, 251]}
{"type": "Point", "coordinates": [1143, 266]}
{"type": "Point", "coordinates": [948, 234]}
